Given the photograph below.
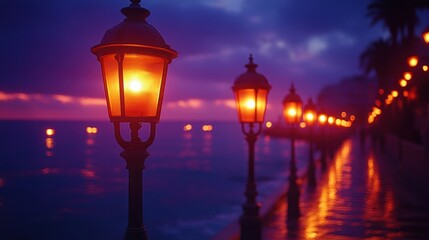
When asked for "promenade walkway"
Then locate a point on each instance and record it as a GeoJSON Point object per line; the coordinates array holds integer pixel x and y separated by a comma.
{"type": "Point", "coordinates": [361, 195]}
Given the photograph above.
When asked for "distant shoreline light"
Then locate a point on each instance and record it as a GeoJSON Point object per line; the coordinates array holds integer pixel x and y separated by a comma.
{"type": "Point", "coordinates": [50, 132]}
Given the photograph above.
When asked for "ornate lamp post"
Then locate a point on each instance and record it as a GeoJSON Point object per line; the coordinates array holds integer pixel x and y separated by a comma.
{"type": "Point", "coordinates": [251, 93]}
{"type": "Point", "coordinates": [323, 145]}
{"type": "Point", "coordinates": [310, 117]}
{"type": "Point", "coordinates": [134, 59]}
{"type": "Point", "coordinates": [292, 111]}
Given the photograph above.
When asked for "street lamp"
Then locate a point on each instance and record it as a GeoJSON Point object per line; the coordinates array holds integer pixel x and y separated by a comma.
{"type": "Point", "coordinates": [134, 59]}
{"type": "Point", "coordinates": [292, 111]}
{"type": "Point", "coordinates": [310, 117]}
{"type": "Point", "coordinates": [251, 92]}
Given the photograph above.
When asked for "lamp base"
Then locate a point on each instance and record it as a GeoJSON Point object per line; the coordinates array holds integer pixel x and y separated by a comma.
{"type": "Point", "coordinates": [135, 234]}
{"type": "Point", "coordinates": [251, 228]}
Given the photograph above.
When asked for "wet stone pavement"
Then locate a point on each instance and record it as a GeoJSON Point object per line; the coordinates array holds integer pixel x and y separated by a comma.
{"type": "Point", "coordinates": [356, 197]}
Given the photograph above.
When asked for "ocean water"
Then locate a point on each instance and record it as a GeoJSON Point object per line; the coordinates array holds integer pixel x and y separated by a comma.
{"type": "Point", "coordinates": [74, 185]}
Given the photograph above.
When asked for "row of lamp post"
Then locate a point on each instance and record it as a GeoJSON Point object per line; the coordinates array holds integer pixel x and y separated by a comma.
{"type": "Point", "coordinates": [134, 59]}
{"type": "Point", "coordinates": [292, 112]}
{"type": "Point", "coordinates": [251, 92]}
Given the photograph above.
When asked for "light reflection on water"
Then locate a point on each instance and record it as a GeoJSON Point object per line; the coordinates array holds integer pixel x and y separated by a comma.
{"type": "Point", "coordinates": [49, 143]}
{"type": "Point", "coordinates": [77, 182]}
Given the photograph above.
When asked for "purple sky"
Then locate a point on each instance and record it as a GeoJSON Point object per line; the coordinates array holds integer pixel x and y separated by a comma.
{"type": "Point", "coordinates": [49, 72]}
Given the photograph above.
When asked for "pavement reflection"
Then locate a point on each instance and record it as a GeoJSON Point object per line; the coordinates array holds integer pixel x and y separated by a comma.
{"type": "Point", "coordinates": [356, 198]}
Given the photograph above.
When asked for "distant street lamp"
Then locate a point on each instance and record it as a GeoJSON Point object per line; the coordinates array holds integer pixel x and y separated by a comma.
{"type": "Point", "coordinates": [251, 93]}
{"type": "Point", "coordinates": [292, 111]}
{"type": "Point", "coordinates": [310, 118]}
{"type": "Point", "coordinates": [134, 59]}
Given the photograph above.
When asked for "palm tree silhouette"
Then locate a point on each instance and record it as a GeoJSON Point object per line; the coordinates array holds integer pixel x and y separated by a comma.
{"type": "Point", "coordinates": [398, 16]}
{"type": "Point", "coordinates": [374, 58]}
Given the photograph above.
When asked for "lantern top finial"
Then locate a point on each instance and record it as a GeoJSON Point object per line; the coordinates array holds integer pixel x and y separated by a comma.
{"type": "Point", "coordinates": [251, 78]}
{"type": "Point", "coordinates": [292, 89]}
{"type": "Point", "coordinates": [134, 34]}
{"type": "Point", "coordinates": [251, 67]}
{"type": "Point", "coordinates": [292, 96]}
{"type": "Point", "coordinates": [310, 105]}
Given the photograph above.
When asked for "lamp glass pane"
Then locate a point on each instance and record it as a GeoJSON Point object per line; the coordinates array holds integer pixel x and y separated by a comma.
{"type": "Point", "coordinates": [292, 112]}
{"type": "Point", "coordinates": [261, 104]}
{"type": "Point", "coordinates": [310, 117]}
{"type": "Point", "coordinates": [251, 104]}
{"type": "Point", "coordinates": [143, 77]}
{"type": "Point", "coordinates": [109, 67]}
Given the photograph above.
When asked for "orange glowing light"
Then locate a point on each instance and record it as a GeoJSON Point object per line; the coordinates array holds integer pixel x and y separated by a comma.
{"type": "Point", "coordinates": [343, 114]}
{"type": "Point", "coordinates": [250, 104]}
{"type": "Point", "coordinates": [303, 125]}
{"type": "Point", "coordinates": [135, 85]}
{"type": "Point", "coordinates": [309, 117]}
{"type": "Point", "coordinates": [337, 122]}
{"type": "Point", "coordinates": [291, 112]}
{"type": "Point", "coordinates": [378, 103]}
{"type": "Point", "coordinates": [394, 93]}
{"type": "Point", "coordinates": [405, 93]}
{"type": "Point", "coordinates": [403, 83]}
{"type": "Point", "coordinates": [331, 120]}
{"type": "Point", "coordinates": [413, 61]}
{"type": "Point", "coordinates": [49, 143]}
{"type": "Point", "coordinates": [50, 132]}
{"type": "Point", "coordinates": [388, 101]}
{"type": "Point", "coordinates": [352, 118]}
{"type": "Point", "coordinates": [425, 68]}
{"type": "Point", "coordinates": [187, 127]}
{"type": "Point", "coordinates": [408, 76]}
{"type": "Point", "coordinates": [376, 111]}
{"type": "Point", "coordinates": [268, 124]}
{"type": "Point", "coordinates": [207, 128]}
{"type": "Point", "coordinates": [426, 37]}
{"type": "Point", "coordinates": [349, 124]}
{"type": "Point", "coordinates": [323, 118]}
{"type": "Point", "coordinates": [91, 130]}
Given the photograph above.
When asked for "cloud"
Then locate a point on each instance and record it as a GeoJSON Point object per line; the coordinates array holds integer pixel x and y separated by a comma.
{"type": "Point", "coordinates": [316, 45]}
{"type": "Point", "coordinates": [54, 98]}
{"type": "Point", "coordinates": [189, 103]}
{"type": "Point", "coordinates": [227, 5]}
{"type": "Point", "coordinates": [58, 106]}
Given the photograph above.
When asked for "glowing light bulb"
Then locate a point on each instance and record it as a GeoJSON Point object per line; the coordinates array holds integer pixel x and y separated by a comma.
{"type": "Point", "coordinates": [322, 118]}
{"type": "Point", "coordinates": [135, 85]}
{"type": "Point", "coordinates": [408, 76]}
{"type": "Point", "coordinates": [413, 61]}
{"type": "Point", "coordinates": [250, 104]}
{"type": "Point", "coordinates": [291, 112]}
{"type": "Point", "coordinates": [50, 132]}
{"type": "Point", "coordinates": [309, 117]}
{"type": "Point", "coordinates": [187, 127]}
